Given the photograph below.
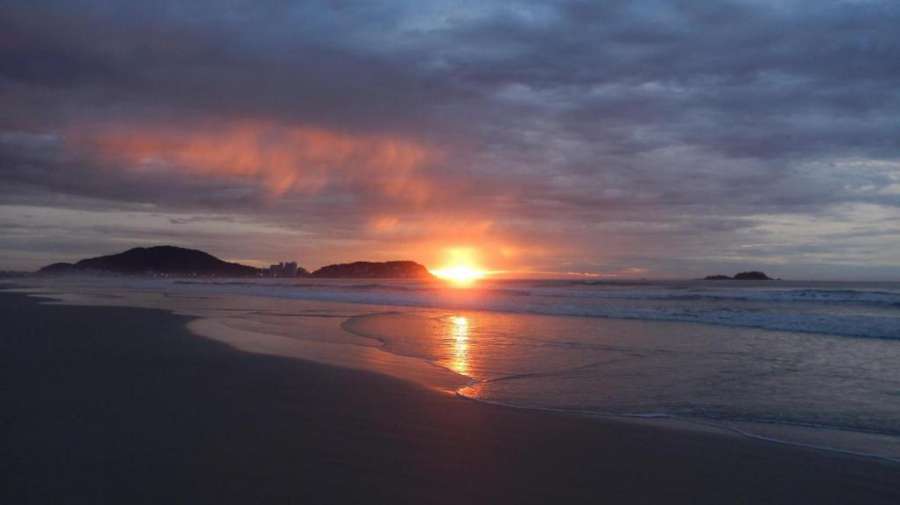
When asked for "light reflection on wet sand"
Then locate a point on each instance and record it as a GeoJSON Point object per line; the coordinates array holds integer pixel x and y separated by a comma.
{"type": "Point", "coordinates": [574, 364]}
{"type": "Point", "coordinates": [310, 330]}
{"type": "Point", "coordinates": [459, 332]}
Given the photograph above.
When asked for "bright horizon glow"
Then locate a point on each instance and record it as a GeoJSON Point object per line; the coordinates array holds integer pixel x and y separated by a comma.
{"type": "Point", "coordinates": [461, 275]}
{"type": "Point", "coordinates": [461, 266]}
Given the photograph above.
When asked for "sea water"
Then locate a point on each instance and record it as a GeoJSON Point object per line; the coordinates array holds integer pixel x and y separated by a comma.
{"type": "Point", "coordinates": [811, 363]}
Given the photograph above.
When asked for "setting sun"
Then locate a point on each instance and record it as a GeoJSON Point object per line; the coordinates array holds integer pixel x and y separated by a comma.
{"type": "Point", "coordinates": [460, 274]}
{"type": "Point", "coordinates": [461, 267]}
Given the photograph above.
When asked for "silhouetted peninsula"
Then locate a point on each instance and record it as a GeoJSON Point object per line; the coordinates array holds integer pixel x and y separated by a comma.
{"type": "Point", "coordinates": [742, 276]}
{"type": "Point", "coordinates": [373, 270]}
{"type": "Point", "coordinates": [159, 260]}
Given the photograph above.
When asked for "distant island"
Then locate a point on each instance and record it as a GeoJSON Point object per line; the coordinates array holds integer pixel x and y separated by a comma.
{"type": "Point", "coordinates": [742, 276]}
{"type": "Point", "coordinates": [181, 262]}
{"type": "Point", "coordinates": [371, 270]}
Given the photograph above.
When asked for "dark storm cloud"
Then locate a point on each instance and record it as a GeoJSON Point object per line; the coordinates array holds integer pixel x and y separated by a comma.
{"type": "Point", "coordinates": [648, 123]}
{"type": "Point", "coordinates": [177, 58]}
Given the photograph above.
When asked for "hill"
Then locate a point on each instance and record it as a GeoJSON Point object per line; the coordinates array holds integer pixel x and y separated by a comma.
{"type": "Point", "coordinates": [165, 260]}
{"type": "Point", "coordinates": [374, 270]}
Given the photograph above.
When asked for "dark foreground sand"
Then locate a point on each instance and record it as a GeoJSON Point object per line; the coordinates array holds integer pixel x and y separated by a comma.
{"type": "Point", "coordinates": [124, 406]}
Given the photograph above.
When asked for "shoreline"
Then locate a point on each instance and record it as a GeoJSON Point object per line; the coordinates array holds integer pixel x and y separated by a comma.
{"type": "Point", "coordinates": [419, 371]}
{"type": "Point", "coordinates": [384, 439]}
{"type": "Point", "coordinates": [881, 331]}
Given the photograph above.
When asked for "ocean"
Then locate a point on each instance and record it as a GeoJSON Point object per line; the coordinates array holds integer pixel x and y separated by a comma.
{"type": "Point", "coordinates": [808, 363]}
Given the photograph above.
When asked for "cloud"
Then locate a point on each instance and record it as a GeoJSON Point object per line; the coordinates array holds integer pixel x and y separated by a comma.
{"type": "Point", "coordinates": [281, 159]}
{"type": "Point", "coordinates": [621, 134]}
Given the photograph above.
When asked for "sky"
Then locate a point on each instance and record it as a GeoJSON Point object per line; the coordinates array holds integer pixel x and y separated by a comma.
{"type": "Point", "coordinates": [657, 139]}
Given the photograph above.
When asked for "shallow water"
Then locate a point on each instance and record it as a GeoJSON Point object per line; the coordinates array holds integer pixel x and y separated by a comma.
{"type": "Point", "coordinates": [816, 387]}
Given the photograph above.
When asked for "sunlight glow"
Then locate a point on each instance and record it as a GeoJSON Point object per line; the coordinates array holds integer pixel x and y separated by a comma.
{"type": "Point", "coordinates": [462, 275]}
{"type": "Point", "coordinates": [461, 267]}
{"type": "Point", "coordinates": [459, 332]}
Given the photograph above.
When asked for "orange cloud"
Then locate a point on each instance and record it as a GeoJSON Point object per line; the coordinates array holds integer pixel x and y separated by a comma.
{"type": "Point", "coordinates": [283, 159]}
{"type": "Point", "coordinates": [305, 159]}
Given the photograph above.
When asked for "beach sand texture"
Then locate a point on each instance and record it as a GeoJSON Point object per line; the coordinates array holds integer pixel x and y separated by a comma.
{"type": "Point", "coordinates": [125, 405]}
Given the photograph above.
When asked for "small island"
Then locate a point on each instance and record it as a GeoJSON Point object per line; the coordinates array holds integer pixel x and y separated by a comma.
{"type": "Point", "coordinates": [741, 276]}
{"type": "Point", "coordinates": [374, 270]}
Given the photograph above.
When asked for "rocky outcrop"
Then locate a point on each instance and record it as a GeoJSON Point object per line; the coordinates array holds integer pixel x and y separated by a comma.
{"type": "Point", "coordinates": [742, 276]}
{"type": "Point", "coordinates": [374, 270]}
{"type": "Point", "coordinates": [752, 276]}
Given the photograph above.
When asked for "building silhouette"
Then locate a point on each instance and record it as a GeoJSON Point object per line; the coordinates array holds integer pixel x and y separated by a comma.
{"type": "Point", "coordinates": [285, 269]}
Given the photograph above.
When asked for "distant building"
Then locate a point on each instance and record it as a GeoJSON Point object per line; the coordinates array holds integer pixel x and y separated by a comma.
{"type": "Point", "coordinates": [287, 269]}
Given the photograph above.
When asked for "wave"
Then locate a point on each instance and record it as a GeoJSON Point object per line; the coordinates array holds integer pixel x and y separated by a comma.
{"type": "Point", "coordinates": [827, 296]}
{"type": "Point", "coordinates": [604, 290]}
{"type": "Point", "coordinates": [727, 308]}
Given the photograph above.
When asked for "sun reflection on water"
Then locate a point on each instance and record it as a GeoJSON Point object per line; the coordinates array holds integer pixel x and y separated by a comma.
{"type": "Point", "coordinates": [459, 337]}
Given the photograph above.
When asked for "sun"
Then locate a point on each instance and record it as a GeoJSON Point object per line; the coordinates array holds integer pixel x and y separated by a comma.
{"type": "Point", "coordinates": [461, 275]}
{"type": "Point", "coordinates": [461, 266]}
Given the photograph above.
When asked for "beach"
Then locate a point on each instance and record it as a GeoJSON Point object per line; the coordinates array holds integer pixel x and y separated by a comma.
{"type": "Point", "coordinates": [125, 405]}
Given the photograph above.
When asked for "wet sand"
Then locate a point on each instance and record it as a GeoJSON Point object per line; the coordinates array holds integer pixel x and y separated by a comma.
{"type": "Point", "coordinates": [125, 405]}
